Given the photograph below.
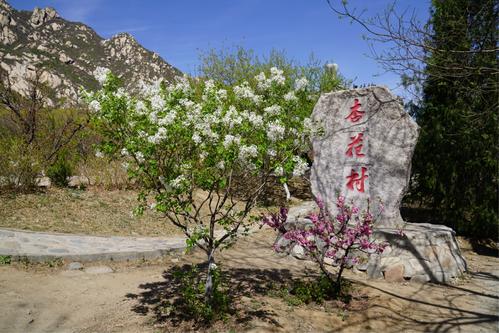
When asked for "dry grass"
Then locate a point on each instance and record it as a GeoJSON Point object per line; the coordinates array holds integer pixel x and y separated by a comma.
{"type": "Point", "coordinates": [91, 212]}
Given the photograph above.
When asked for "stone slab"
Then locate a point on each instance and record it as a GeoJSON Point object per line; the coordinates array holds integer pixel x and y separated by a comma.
{"type": "Point", "coordinates": [367, 156]}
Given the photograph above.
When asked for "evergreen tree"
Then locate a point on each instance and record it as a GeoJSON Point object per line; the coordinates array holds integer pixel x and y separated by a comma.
{"type": "Point", "coordinates": [455, 167]}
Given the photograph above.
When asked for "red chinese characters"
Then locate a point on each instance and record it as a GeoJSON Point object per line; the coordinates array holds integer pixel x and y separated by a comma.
{"type": "Point", "coordinates": [356, 145]}
{"type": "Point", "coordinates": [356, 181]}
{"type": "Point", "coordinates": [355, 114]}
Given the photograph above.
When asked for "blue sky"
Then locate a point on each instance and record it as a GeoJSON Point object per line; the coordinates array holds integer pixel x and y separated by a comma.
{"type": "Point", "coordinates": [178, 30]}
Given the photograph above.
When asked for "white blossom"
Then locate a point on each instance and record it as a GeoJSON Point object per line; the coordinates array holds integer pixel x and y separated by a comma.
{"type": "Point", "coordinates": [182, 84]}
{"type": "Point", "coordinates": [178, 182]}
{"type": "Point", "coordinates": [209, 86]}
{"type": "Point", "coordinates": [95, 106]}
{"type": "Point", "coordinates": [124, 152]}
{"type": "Point", "coordinates": [153, 117]}
{"type": "Point", "coordinates": [301, 84]}
{"type": "Point", "coordinates": [150, 89]}
{"type": "Point", "coordinates": [140, 157]}
{"type": "Point", "coordinates": [158, 137]}
{"type": "Point", "coordinates": [290, 96]}
{"type": "Point", "coordinates": [262, 82]}
{"type": "Point", "coordinates": [255, 119]}
{"type": "Point", "coordinates": [279, 171]}
{"type": "Point", "coordinates": [273, 109]}
{"type": "Point", "coordinates": [300, 166]}
{"type": "Point", "coordinates": [275, 131]}
{"type": "Point", "coordinates": [247, 152]}
{"type": "Point", "coordinates": [196, 138]}
{"type": "Point", "coordinates": [140, 107]}
{"type": "Point", "coordinates": [121, 93]}
{"type": "Point", "coordinates": [221, 165]}
{"type": "Point", "coordinates": [229, 140]}
{"type": "Point", "coordinates": [168, 118]}
{"type": "Point", "coordinates": [157, 102]}
{"type": "Point", "coordinates": [221, 94]}
{"type": "Point", "coordinates": [100, 74]}
{"type": "Point", "coordinates": [276, 75]}
{"type": "Point", "coordinates": [332, 66]}
{"type": "Point", "coordinates": [99, 154]}
{"type": "Point", "coordinates": [244, 91]}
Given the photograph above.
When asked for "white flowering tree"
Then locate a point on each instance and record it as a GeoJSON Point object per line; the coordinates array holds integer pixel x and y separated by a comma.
{"type": "Point", "coordinates": [186, 144]}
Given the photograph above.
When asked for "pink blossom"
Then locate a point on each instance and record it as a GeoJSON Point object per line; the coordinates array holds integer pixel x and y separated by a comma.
{"type": "Point", "coordinates": [339, 238]}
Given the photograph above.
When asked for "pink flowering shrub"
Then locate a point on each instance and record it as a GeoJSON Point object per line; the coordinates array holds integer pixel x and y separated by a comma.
{"type": "Point", "coordinates": [343, 239]}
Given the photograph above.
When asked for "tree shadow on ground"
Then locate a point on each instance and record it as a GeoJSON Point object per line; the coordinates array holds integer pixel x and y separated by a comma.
{"type": "Point", "coordinates": [157, 297]}
{"type": "Point", "coordinates": [484, 247]}
{"type": "Point", "coordinates": [413, 313]}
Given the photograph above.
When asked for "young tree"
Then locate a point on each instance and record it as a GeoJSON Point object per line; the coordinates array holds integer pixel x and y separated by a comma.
{"type": "Point", "coordinates": [187, 143]}
{"type": "Point", "coordinates": [344, 239]}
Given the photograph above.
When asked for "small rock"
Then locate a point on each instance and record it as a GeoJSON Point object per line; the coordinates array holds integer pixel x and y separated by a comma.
{"type": "Point", "coordinates": [175, 260]}
{"type": "Point", "coordinates": [73, 266]}
{"type": "Point", "coordinates": [298, 252]}
{"type": "Point", "coordinates": [98, 270]}
{"type": "Point", "coordinates": [395, 273]}
{"type": "Point", "coordinates": [43, 182]}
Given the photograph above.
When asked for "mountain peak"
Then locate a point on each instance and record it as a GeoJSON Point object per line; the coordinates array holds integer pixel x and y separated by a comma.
{"type": "Point", "coordinates": [40, 16]}
{"type": "Point", "coordinates": [66, 53]}
{"type": "Point", "coordinates": [123, 38]}
{"type": "Point", "coordinates": [4, 5]}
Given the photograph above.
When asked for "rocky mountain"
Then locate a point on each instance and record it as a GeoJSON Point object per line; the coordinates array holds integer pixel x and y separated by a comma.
{"type": "Point", "coordinates": [65, 54]}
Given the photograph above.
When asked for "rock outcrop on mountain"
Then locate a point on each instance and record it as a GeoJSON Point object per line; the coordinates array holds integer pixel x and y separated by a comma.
{"type": "Point", "coordinates": [65, 54]}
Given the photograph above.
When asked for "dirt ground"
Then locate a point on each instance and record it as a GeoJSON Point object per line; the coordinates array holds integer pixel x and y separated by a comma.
{"type": "Point", "coordinates": [40, 299]}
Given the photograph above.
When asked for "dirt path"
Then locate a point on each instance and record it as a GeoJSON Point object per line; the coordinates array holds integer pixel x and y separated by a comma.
{"type": "Point", "coordinates": [129, 300]}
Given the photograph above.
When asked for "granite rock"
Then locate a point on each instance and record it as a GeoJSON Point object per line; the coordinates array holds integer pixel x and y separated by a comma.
{"type": "Point", "coordinates": [373, 147]}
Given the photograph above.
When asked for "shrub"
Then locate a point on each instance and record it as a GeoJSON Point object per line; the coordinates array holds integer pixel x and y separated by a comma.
{"type": "Point", "coordinates": [32, 134]}
{"type": "Point", "coordinates": [192, 300]}
{"type": "Point", "coordinates": [60, 171]}
{"type": "Point", "coordinates": [20, 165]}
{"type": "Point", "coordinates": [343, 238]}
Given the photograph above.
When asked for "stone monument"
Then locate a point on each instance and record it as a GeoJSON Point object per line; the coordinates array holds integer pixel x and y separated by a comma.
{"type": "Point", "coordinates": [365, 151]}
{"type": "Point", "coordinates": [364, 154]}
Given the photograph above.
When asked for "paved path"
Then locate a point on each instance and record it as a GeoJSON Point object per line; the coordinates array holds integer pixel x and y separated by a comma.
{"type": "Point", "coordinates": [40, 246]}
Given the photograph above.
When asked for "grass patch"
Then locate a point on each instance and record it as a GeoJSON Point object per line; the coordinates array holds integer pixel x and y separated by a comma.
{"type": "Point", "coordinates": [92, 212]}
{"type": "Point", "coordinates": [5, 260]}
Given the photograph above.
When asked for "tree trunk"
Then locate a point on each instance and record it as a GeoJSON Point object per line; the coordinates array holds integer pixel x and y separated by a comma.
{"type": "Point", "coordinates": [208, 291]}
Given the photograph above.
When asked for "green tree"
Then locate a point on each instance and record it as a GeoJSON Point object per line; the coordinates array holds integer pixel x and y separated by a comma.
{"type": "Point", "coordinates": [455, 163]}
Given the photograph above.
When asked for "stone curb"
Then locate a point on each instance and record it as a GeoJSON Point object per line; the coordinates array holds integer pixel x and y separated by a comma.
{"type": "Point", "coordinates": [42, 246]}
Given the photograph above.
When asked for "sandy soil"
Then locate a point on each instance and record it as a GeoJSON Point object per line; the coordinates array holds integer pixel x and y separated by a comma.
{"type": "Point", "coordinates": [37, 299]}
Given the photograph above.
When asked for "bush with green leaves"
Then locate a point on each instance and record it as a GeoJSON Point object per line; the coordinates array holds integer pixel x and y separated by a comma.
{"type": "Point", "coordinates": [60, 171]}
{"type": "Point", "coordinates": [186, 143]}
{"type": "Point", "coordinates": [192, 291]}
